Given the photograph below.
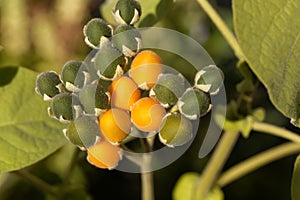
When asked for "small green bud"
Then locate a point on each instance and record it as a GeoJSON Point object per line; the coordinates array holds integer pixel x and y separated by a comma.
{"type": "Point", "coordinates": [175, 130]}
{"type": "Point", "coordinates": [109, 62]}
{"type": "Point", "coordinates": [96, 31]}
{"type": "Point", "coordinates": [194, 103]}
{"type": "Point", "coordinates": [127, 12]}
{"type": "Point", "coordinates": [168, 88]}
{"type": "Point", "coordinates": [94, 99]}
{"type": "Point", "coordinates": [127, 39]}
{"type": "Point", "coordinates": [65, 107]}
{"type": "Point", "coordinates": [209, 79]}
{"type": "Point", "coordinates": [48, 84]}
{"type": "Point", "coordinates": [74, 75]}
{"type": "Point", "coordinates": [83, 132]}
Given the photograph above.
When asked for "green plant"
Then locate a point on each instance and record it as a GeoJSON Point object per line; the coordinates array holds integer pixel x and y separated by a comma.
{"type": "Point", "coordinates": [266, 50]}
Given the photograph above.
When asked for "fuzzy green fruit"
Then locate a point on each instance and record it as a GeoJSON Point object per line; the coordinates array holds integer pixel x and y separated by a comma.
{"type": "Point", "coordinates": [65, 107]}
{"type": "Point", "coordinates": [168, 88]}
{"type": "Point", "coordinates": [96, 31]}
{"type": "Point", "coordinates": [48, 84]}
{"type": "Point", "coordinates": [127, 39]}
{"type": "Point", "coordinates": [83, 132]}
{"type": "Point", "coordinates": [127, 12]}
{"type": "Point", "coordinates": [176, 130]}
{"type": "Point", "coordinates": [94, 99]}
{"type": "Point", "coordinates": [194, 103]}
{"type": "Point", "coordinates": [209, 79]}
{"type": "Point", "coordinates": [109, 62]}
{"type": "Point", "coordinates": [74, 75]}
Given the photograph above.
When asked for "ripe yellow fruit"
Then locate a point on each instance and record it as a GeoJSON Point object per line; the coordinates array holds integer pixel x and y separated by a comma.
{"type": "Point", "coordinates": [115, 125]}
{"type": "Point", "coordinates": [145, 68]}
{"type": "Point", "coordinates": [124, 93]}
{"type": "Point", "coordinates": [147, 114]}
{"type": "Point", "coordinates": [104, 155]}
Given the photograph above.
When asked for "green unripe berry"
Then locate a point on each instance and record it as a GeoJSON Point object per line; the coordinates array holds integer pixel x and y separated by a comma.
{"type": "Point", "coordinates": [73, 75]}
{"type": "Point", "coordinates": [194, 103]}
{"type": "Point", "coordinates": [109, 62]}
{"type": "Point", "coordinates": [96, 31]}
{"type": "Point", "coordinates": [127, 12]}
{"type": "Point", "coordinates": [168, 88]}
{"type": "Point", "coordinates": [127, 39]}
{"type": "Point", "coordinates": [65, 107]}
{"type": "Point", "coordinates": [83, 132]}
{"type": "Point", "coordinates": [48, 84]}
{"type": "Point", "coordinates": [209, 79]}
{"type": "Point", "coordinates": [94, 99]}
{"type": "Point", "coordinates": [176, 130]}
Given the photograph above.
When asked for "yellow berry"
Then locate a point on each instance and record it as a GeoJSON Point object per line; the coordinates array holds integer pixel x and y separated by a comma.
{"type": "Point", "coordinates": [147, 114]}
{"type": "Point", "coordinates": [104, 155]}
{"type": "Point", "coordinates": [145, 68]}
{"type": "Point", "coordinates": [115, 125]}
{"type": "Point", "coordinates": [124, 93]}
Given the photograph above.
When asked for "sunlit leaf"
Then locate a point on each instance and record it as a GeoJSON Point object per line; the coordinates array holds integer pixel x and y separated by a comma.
{"type": "Point", "coordinates": [27, 134]}
{"type": "Point", "coordinates": [269, 35]}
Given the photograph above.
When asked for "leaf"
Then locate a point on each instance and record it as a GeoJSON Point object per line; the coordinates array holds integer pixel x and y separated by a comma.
{"type": "Point", "coordinates": [269, 35]}
{"type": "Point", "coordinates": [27, 134]}
{"type": "Point", "coordinates": [296, 180]}
{"type": "Point", "coordinates": [185, 188]}
{"type": "Point", "coordinates": [152, 11]}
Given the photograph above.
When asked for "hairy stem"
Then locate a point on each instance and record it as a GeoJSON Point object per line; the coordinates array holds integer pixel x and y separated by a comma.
{"type": "Point", "coordinates": [276, 131]}
{"type": "Point", "coordinates": [146, 173]}
{"type": "Point", "coordinates": [37, 182]}
{"type": "Point", "coordinates": [223, 28]}
{"type": "Point", "coordinates": [257, 161]}
{"type": "Point", "coordinates": [216, 163]}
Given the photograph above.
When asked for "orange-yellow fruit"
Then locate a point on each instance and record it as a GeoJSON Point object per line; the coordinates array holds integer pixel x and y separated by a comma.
{"type": "Point", "coordinates": [104, 155]}
{"type": "Point", "coordinates": [115, 125]}
{"type": "Point", "coordinates": [124, 93]}
{"type": "Point", "coordinates": [145, 68]}
{"type": "Point", "coordinates": [147, 114]}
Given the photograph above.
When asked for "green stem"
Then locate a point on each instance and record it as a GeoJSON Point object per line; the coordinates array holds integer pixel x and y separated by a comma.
{"type": "Point", "coordinates": [37, 182]}
{"type": "Point", "coordinates": [276, 131]}
{"type": "Point", "coordinates": [257, 161]}
{"type": "Point", "coordinates": [147, 174]}
{"type": "Point", "coordinates": [71, 166]}
{"type": "Point", "coordinates": [223, 28]}
{"type": "Point", "coordinates": [216, 163]}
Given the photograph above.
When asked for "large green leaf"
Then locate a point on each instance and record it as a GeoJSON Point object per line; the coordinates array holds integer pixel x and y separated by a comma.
{"type": "Point", "coordinates": [152, 11]}
{"type": "Point", "coordinates": [27, 134]}
{"type": "Point", "coordinates": [269, 35]}
{"type": "Point", "coordinates": [296, 180]}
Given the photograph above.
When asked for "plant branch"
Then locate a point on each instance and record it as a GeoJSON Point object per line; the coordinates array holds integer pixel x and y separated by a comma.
{"type": "Point", "coordinates": [37, 182]}
{"type": "Point", "coordinates": [257, 161]}
{"type": "Point", "coordinates": [146, 173]}
{"type": "Point", "coordinates": [223, 28]}
{"type": "Point", "coordinates": [276, 131]}
{"type": "Point", "coordinates": [216, 163]}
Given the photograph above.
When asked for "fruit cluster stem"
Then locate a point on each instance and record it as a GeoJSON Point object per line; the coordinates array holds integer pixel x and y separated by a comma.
{"type": "Point", "coordinates": [215, 164]}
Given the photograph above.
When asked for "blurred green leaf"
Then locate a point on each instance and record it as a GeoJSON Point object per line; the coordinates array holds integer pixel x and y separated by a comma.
{"type": "Point", "coordinates": [269, 35]}
{"type": "Point", "coordinates": [27, 134]}
{"type": "Point", "coordinates": [152, 11]}
{"type": "Point", "coordinates": [185, 186]}
{"type": "Point", "coordinates": [296, 180]}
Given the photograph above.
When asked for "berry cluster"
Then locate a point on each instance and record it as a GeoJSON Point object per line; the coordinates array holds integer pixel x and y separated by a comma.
{"type": "Point", "coordinates": [102, 104]}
